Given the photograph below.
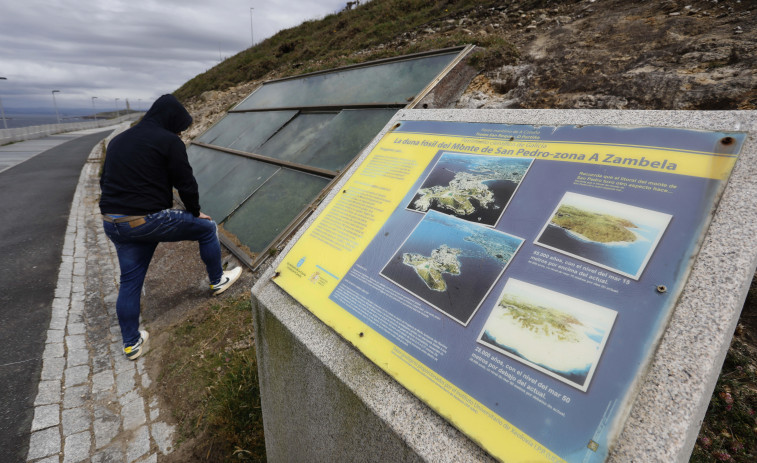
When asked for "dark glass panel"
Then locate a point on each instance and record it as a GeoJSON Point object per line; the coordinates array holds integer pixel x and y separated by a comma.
{"type": "Point", "coordinates": [279, 201]}
{"type": "Point", "coordinates": [344, 137]}
{"type": "Point", "coordinates": [245, 131]}
{"type": "Point", "coordinates": [236, 186]}
{"type": "Point", "coordinates": [200, 158]}
{"type": "Point", "coordinates": [222, 163]}
{"type": "Point", "coordinates": [294, 138]}
{"type": "Point", "coordinates": [389, 83]}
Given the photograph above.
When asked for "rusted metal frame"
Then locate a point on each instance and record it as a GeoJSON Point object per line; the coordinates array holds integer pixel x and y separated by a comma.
{"type": "Point", "coordinates": [274, 161]}
{"type": "Point", "coordinates": [236, 251]}
{"type": "Point", "coordinates": [312, 109]}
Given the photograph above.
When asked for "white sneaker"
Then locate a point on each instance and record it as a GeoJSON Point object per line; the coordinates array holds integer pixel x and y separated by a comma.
{"type": "Point", "coordinates": [227, 279]}
{"type": "Point", "coordinates": [133, 352]}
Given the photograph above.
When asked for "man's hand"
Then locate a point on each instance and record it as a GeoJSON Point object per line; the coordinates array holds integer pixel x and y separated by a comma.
{"type": "Point", "coordinates": [204, 216]}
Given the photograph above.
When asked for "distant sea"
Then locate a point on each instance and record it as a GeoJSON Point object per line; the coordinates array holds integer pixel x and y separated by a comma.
{"type": "Point", "coordinates": [25, 120]}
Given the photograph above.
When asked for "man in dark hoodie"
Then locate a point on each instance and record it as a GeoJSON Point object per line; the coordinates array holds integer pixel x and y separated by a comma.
{"type": "Point", "coordinates": [142, 166]}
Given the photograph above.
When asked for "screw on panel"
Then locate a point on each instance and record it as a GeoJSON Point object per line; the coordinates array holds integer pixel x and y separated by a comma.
{"type": "Point", "coordinates": [662, 289]}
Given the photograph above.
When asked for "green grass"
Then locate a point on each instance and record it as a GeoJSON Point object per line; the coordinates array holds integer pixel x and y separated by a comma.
{"type": "Point", "coordinates": [210, 378]}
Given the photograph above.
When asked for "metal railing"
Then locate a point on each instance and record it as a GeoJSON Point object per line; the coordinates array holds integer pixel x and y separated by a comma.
{"type": "Point", "coordinates": [39, 131]}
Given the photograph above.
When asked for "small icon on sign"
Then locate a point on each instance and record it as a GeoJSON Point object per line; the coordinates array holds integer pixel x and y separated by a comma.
{"type": "Point", "coordinates": [593, 446]}
{"type": "Point", "coordinates": [301, 261]}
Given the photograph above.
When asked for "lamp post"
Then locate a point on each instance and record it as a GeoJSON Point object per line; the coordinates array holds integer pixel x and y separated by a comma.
{"type": "Point", "coordinates": [57, 116]}
{"type": "Point", "coordinates": [2, 112]}
{"type": "Point", "coordinates": [117, 113]}
{"type": "Point", "coordinates": [93, 107]}
{"type": "Point", "coordinates": [252, 36]}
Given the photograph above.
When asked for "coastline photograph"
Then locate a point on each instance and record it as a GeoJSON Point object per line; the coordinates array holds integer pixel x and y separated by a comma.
{"type": "Point", "coordinates": [475, 188]}
{"type": "Point", "coordinates": [451, 264]}
{"type": "Point", "coordinates": [612, 235]}
{"type": "Point", "coordinates": [554, 333]}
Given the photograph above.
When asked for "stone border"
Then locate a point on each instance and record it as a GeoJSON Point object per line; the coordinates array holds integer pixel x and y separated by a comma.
{"type": "Point", "coordinates": [92, 403]}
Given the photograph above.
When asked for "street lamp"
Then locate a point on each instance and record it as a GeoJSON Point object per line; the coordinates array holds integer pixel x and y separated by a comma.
{"type": "Point", "coordinates": [2, 112]}
{"type": "Point", "coordinates": [57, 116]}
{"type": "Point", "coordinates": [93, 107]}
{"type": "Point", "coordinates": [117, 113]}
{"type": "Point", "coordinates": [252, 37]}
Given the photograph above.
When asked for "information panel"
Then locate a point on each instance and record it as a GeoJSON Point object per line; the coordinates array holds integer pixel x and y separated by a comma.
{"type": "Point", "coordinates": [516, 278]}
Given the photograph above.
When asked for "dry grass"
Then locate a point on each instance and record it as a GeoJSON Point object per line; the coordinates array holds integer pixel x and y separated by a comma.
{"type": "Point", "coordinates": [209, 379]}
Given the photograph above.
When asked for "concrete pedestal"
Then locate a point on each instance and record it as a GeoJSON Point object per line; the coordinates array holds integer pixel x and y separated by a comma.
{"type": "Point", "coordinates": [324, 401]}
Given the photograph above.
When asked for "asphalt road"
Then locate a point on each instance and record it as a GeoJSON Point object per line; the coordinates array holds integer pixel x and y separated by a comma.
{"type": "Point", "coordinates": [35, 199]}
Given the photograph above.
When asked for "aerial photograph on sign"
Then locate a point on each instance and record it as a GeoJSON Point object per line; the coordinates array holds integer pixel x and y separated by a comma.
{"type": "Point", "coordinates": [451, 264]}
{"type": "Point", "coordinates": [554, 333]}
{"type": "Point", "coordinates": [612, 235]}
{"type": "Point", "coordinates": [470, 187]}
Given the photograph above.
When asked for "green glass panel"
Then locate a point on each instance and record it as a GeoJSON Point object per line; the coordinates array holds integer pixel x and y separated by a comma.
{"type": "Point", "coordinates": [279, 201]}
{"type": "Point", "coordinates": [200, 158]}
{"type": "Point", "coordinates": [289, 143]}
{"type": "Point", "coordinates": [245, 131]}
{"type": "Point", "coordinates": [222, 163]}
{"type": "Point", "coordinates": [344, 137]}
{"type": "Point", "coordinates": [235, 187]}
{"type": "Point", "coordinates": [391, 83]}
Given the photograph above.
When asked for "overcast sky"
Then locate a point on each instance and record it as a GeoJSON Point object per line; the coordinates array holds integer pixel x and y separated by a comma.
{"type": "Point", "coordinates": [135, 49]}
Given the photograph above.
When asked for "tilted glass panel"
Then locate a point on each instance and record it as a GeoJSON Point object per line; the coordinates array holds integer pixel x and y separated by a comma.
{"type": "Point", "coordinates": [245, 131]}
{"type": "Point", "coordinates": [200, 158]}
{"type": "Point", "coordinates": [222, 163]}
{"type": "Point", "coordinates": [344, 137]}
{"type": "Point", "coordinates": [235, 187]}
{"type": "Point", "coordinates": [391, 83]}
{"type": "Point", "coordinates": [262, 217]}
{"type": "Point", "coordinates": [295, 137]}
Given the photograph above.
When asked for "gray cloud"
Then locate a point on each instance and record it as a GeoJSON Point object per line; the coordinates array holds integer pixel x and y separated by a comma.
{"type": "Point", "coordinates": [135, 50]}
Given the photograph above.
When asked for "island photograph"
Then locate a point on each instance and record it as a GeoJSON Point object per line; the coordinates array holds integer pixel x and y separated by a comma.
{"type": "Point", "coordinates": [554, 333]}
{"type": "Point", "coordinates": [471, 187]}
{"type": "Point", "coordinates": [451, 264]}
{"type": "Point", "coordinates": [609, 234]}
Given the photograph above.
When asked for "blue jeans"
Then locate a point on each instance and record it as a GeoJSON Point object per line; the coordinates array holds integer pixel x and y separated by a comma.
{"type": "Point", "coordinates": [135, 247]}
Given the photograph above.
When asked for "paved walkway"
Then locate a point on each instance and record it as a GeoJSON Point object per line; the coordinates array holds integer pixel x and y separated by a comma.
{"type": "Point", "coordinates": [15, 153]}
{"type": "Point", "coordinates": [92, 403]}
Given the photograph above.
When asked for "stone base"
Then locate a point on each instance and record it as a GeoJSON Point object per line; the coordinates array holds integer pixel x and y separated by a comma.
{"type": "Point", "coordinates": [324, 401]}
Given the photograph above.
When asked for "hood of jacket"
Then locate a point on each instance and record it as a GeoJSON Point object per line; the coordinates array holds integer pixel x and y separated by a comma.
{"type": "Point", "coordinates": [169, 114]}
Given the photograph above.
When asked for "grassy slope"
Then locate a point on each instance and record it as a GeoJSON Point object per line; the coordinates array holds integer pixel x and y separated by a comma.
{"type": "Point", "coordinates": [350, 37]}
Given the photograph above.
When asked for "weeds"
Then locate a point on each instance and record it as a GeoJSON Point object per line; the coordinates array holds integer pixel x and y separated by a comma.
{"type": "Point", "coordinates": [729, 429]}
{"type": "Point", "coordinates": [210, 378]}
